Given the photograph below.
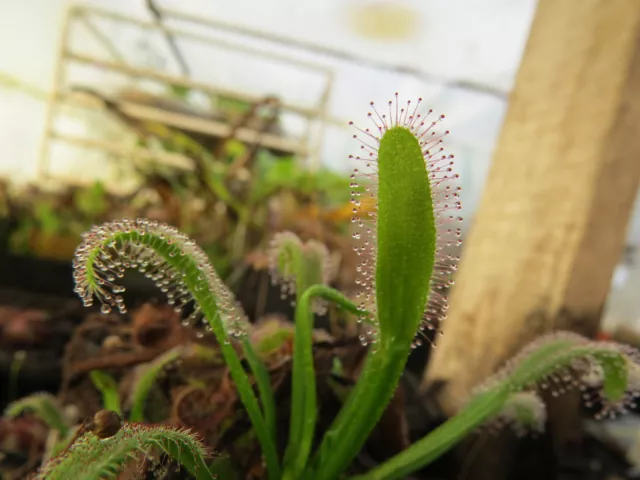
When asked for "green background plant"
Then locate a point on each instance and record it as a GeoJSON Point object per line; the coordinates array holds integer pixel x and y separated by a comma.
{"type": "Point", "coordinates": [92, 458]}
{"type": "Point", "coordinates": [108, 389]}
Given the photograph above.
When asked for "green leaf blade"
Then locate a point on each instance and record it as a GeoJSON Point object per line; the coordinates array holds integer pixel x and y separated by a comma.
{"type": "Point", "coordinates": [406, 235]}
{"type": "Point", "coordinates": [44, 406]}
{"type": "Point", "coordinates": [108, 388]}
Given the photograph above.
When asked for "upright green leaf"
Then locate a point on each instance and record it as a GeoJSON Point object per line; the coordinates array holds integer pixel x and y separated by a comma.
{"type": "Point", "coordinates": [108, 388]}
{"type": "Point", "coordinates": [399, 249]}
{"type": "Point", "coordinates": [406, 237]}
{"type": "Point", "coordinates": [45, 406]}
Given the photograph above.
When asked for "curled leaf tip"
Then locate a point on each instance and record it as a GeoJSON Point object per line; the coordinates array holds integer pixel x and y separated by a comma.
{"type": "Point", "coordinates": [396, 133]}
{"type": "Point", "coordinates": [163, 254]}
{"type": "Point", "coordinates": [284, 249]}
{"type": "Point", "coordinates": [607, 373]}
{"type": "Point", "coordinates": [296, 265]}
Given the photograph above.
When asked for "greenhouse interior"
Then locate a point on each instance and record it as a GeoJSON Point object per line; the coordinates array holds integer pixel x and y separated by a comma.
{"type": "Point", "coordinates": [342, 239]}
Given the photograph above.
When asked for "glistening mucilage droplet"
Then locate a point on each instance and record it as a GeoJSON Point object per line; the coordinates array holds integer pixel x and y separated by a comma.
{"type": "Point", "coordinates": [445, 196]}
{"type": "Point", "coordinates": [151, 247]}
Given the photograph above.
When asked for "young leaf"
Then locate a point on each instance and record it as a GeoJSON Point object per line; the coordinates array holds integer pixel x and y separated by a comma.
{"type": "Point", "coordinates": [183, 271]}
{"type": "Point", "coordinates": [108, 389]}
{"type": "Point", "coordinates": [43, 405]}
{"type": "Point", "coordinates": [401, 249]}
{"type": "Point", "coordinates": [523, 411]}
{"type": "Point", "coordinates": [147, 379]}
{"type": "Point", "coordinates": [298, 266]}
{"type": "Point", "coordinates": [143, 385]}
{"type": "Point", "coordinates": [92, 458]}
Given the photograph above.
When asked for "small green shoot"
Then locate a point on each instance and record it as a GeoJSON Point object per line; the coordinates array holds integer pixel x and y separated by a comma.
{"type": "Point", "coordinates": [108, 388]}
{"type": "Point", "coordinates": [94, 458]}
{"type": "Point", "coordinates": [147, 379]}
{"type": "Point", "coordinates": [43, 405]}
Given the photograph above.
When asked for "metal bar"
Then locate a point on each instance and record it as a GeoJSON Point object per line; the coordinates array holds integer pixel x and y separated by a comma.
{"type": "Point", "coordinates": [315, 160]}
{"type": "Point", "coordinates": [187, 122]}
{"type": "Point", "coordinates": [207, 39]}
{"type": "Point", "coordinates": [337, 54]}
{"type": "Point", "coordinates": [181, 81]}
{"type": "Point", "coordinates": [58, 78]}
{"type": "Point", "coordinates": [102, 38]}
{"type": "Point", "coordinates": [191, 123]}
{"type": "Point", "coordinates": [157, 14]}
{"type": "Point", "coordinates": [14, 83]}
{"type": "Point", "coordinates": [209, 127]}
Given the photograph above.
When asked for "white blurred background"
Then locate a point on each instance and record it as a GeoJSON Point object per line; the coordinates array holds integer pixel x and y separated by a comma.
{"type": "Point", "coordinates": [461, 56]}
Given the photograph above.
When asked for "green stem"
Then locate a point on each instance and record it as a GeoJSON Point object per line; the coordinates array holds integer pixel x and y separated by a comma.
{"type": "Point", "coordinates": [303, 407]}
{"type": "Point", "coordinates": [303, 388]}
{"type": "Point", "coordinates": [540, 363]}
{"type": "Point", "coordinates": [146, 381]}
{"type": "Point", "coordinates": [206, 299]}
{"type": "Point", "coordinates": [14, 373]}
{"type": "Point", "coordinates": [148, 378]}
{"type": "Point", "coordinates": [108, 389]}
{"type": "Point", "coordinates": [332, 295]}
{"type": "Point", "coordinates": [264, 387]}
{"type": "Point", "coordinates": [44, 406]}
{"type": "Point", "coordinates": [363, 409]}
{"type": "Point", "coordinates": [245, 392]}
{"type": "Point", "coordinates": [351, 428]}
{"type": "Point", "coordinates": [440, 440]}
{"type": "Point", "coordinates": [305, 263]}
{"type": "Point", "coordinates": [296, 451]}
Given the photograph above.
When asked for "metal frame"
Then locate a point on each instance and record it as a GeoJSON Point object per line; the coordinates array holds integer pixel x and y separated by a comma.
{"type": "Point", "coordinates": [168, 13]}
{"type": "Point", "coordinates": [60, 95]}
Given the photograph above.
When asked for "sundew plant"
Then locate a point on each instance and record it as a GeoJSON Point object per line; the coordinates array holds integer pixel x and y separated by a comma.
{"type": "Point", "coordinates": [406, 226]}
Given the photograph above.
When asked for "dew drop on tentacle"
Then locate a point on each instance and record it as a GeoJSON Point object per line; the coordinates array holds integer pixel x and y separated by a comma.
{"type": "Point", "coordinates": [584, 373]}
{"type": "Point", "coordinates": [445, 193]}
{"type": "Point", "coordinates": [283, 248]}
{"type": "Point", "coordinates": [108, 250]}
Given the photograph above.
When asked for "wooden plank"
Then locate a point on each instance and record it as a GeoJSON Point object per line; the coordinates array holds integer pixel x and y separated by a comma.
{"type": "Point", "coordinates": [551, 225]}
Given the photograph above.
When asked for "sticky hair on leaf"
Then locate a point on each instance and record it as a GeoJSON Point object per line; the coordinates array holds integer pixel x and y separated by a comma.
{"type": "Point", "coordinates": [283, 248]}
{"type": "Point", "coordinates": [294, 264]}
{"type": "Point", "coordinates": [594, 386]}
{"type": "Point", "coordinates": [43, 405]}
{"type": "Point", "coordinates": [95, 458]}
{"type": "Point", "coordinates": [525, 412]}
{"type": "Point", "coordinates": [446, 203]}
{"type": "Point", "coordinates": [179, 267]}
{"type": "Point", "coordinates": [607, 373]}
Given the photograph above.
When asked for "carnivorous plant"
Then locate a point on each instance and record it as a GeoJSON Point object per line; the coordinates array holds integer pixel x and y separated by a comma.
{"type": "Point", "coordinates": [406, 225]}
